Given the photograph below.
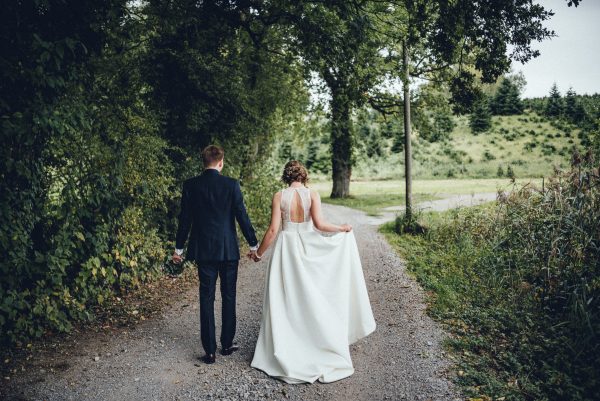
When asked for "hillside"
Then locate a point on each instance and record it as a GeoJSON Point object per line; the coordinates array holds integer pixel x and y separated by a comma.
{"type": "Point", "coordinates": [530, 144]}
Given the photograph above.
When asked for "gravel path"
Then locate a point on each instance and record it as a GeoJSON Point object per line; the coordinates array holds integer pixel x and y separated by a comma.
{"type": "Point", "coordinates": [157, 359]}
{"type": "Point", "coordinates": [448, 201]}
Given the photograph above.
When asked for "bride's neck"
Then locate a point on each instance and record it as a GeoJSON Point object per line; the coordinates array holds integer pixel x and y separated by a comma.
{"type": "Point", "coordinates": [296, 184]}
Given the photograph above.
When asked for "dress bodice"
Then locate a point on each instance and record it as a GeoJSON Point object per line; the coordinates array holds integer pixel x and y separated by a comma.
{"type": "Point", "coordinates": [287, 197]}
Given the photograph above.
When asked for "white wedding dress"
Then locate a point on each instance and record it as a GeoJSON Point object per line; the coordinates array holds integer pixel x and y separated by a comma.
{"type": "Point", "coordinates": [315, 303]}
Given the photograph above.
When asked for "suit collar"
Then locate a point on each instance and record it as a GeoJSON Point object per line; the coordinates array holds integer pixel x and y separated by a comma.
{"type": "Point", "coordinates": [210, 171]}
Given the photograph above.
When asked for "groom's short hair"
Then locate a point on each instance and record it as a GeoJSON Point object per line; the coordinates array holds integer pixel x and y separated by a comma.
{"type": "Point", "coordinates": [211, 155]}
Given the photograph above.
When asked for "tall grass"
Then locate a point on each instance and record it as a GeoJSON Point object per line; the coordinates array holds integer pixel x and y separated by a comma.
{"type": "Point", "coordinates": [518, 285]}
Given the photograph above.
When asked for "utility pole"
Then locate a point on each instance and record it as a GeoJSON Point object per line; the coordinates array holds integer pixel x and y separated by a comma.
{"type": "Point", "coordinates": [407, 150]}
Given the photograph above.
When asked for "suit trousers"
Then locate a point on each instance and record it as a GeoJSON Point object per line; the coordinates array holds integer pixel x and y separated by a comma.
{"type": "Point", "coordinates": [207, 274]}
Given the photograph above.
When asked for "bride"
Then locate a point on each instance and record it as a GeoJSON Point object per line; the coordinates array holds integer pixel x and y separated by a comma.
{"type": "Point", "coordinates": [315, 303]}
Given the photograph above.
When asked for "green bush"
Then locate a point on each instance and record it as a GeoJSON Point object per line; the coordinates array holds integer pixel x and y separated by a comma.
{"type": "Point", "coordinates": [96, 236]}
{"type": "Point", "coordinates": [517, 283]}
{"type": "Point", "coordinates": [487, 155]}
{"type": "Point", "coordinates": [258, 196]}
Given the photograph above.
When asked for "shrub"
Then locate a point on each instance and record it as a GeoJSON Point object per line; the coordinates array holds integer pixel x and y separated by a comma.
{"type": "Point", "coordinates": [405, 225]}
{"type": "Point", "coordinates": [517, 283]}
{"type": "Point", "coordinates": [97, 236]}
{"type": "Point", "coordinates": [510, 172]}
{"type": "Point", "coordinates": [487, 155]}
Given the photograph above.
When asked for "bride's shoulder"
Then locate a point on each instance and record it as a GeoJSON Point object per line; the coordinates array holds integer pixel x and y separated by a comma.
{"type": "Point", "coordinates": [276, 199]}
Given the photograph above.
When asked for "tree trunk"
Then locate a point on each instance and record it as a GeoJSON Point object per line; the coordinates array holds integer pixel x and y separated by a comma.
{"type": "Point", "coordinates": [341, 144]}
{"type": "Point", "coordinates": [407, 149]}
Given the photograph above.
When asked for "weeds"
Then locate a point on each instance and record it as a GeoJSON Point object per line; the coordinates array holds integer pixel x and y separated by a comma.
{"type": "Point", "coordinates": [517, 284]}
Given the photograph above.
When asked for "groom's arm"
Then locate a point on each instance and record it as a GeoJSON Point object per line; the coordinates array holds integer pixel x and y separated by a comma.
{"type": "Point", "coordinates": [185, 221]}
{"type": "Point", "coordinates": [242, 217]}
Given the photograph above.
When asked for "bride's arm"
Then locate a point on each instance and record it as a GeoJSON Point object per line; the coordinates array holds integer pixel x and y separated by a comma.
{"type": "Point", "coordinates": [273, 229]}
{"type": "Point", "coordinates": [319, 221]}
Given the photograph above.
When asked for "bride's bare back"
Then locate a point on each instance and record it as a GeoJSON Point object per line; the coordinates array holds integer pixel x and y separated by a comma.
{"type": "Point", "coordinates": [296, 204]}
{"type": "Point", "coordinates": [296, 208]}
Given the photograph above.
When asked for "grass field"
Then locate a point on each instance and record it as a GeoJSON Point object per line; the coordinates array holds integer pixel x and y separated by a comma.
{"type": "Point", "coordinates": [372, 196]}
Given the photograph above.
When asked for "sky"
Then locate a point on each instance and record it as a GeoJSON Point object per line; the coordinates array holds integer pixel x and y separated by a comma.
{"type": "Point", "coordinates": [572, 58]}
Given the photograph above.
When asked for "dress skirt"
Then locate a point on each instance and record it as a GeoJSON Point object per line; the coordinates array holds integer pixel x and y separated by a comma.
{"type": "Point", "coordinates": [315, 305]}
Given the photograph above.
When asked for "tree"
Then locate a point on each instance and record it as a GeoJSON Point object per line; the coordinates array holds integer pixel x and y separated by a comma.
{"type": "Point", "coordinates": [573, 111]}
{"type": "Point", "coordinates": [312, 152]}
{"type": "Point", "coordinates": [84, 175]}
{"type": "Point", "coordinates": [393, 129]}
{"type": "Point", "coordinates": [398, 144]}
{"type": "Point", "coordinates": [217, 72]}
{"type": "Point", "coordinates": [554, 103]}
{"type": "Point", "coordinates": [510, 172]}
{"type": "Point", "coordinates": [480, 119]}
{"type": "Point", "coordinates": [374, 148]}
{"type": "Point", "coordinates": [355, 45]}
{"type": "Point", "coordinates": [432, 113]}
{"type": "Point", "coordinates": [507, 100]}
{"type": "Point", "coordinates": [335, 39]}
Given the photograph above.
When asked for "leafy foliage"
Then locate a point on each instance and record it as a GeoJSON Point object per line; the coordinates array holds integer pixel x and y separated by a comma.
{"type": "Point", "coordinates": [69, 180]}
{"type": "Point", "coordinates": [433, 118]}
{"type": "Point", "coordinates": [517, 283]}
{"type": "Point", "coordinates": [97, 139]}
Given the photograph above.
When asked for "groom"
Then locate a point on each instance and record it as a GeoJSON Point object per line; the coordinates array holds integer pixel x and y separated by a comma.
{"type": "Point", "coordinates": [210, 205]}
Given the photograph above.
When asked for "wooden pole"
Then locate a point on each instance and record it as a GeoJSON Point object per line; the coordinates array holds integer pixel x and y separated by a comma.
{"type": "Point", "coordinates": [407, 149]}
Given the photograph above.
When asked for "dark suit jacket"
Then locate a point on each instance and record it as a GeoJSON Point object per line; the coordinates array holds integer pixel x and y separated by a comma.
{"type": "Point", "coordinates": [210, 205]}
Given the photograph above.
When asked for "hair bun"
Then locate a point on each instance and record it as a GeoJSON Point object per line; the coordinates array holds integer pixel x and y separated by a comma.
{"type": "Point", "coordinates": [294, 171]}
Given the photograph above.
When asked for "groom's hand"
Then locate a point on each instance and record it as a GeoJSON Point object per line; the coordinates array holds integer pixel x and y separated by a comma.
{"type": "Point", "coordinates": [254, 256]}
{"type": "Point", "coordinates": [177, 258]}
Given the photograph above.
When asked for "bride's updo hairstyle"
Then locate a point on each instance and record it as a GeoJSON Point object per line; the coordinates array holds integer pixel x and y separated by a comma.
{"type": "Point", "coordinates": [294, 171]}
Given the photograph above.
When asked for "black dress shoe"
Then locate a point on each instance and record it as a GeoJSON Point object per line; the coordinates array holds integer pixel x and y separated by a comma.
{"type": "Point", "coordinates": [230, 350]}
{"type": "Point", "coordinates": [208, 358]}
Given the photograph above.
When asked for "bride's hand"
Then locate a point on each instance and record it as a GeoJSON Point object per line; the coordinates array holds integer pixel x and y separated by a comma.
{"type": "Point", "coordinates": [345, 228]}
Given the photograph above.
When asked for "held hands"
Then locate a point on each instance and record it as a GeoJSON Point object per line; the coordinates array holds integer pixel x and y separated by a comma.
{"type": "Point", "coordinates": [254, 256]}
{"type": "Point", "coordinates": [177, 258]}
